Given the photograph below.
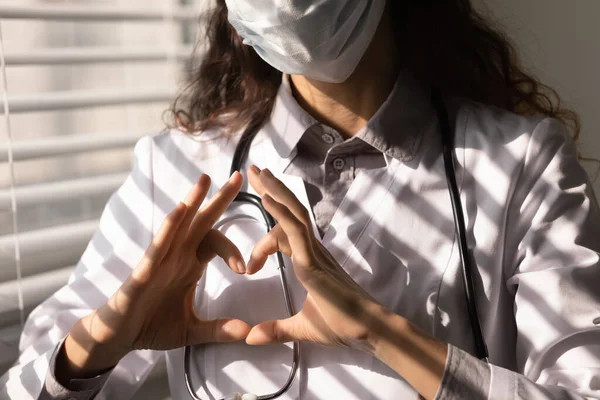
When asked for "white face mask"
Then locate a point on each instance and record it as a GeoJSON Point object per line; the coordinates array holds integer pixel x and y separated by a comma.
{"type": "Point", "coordinates": [320, 39]}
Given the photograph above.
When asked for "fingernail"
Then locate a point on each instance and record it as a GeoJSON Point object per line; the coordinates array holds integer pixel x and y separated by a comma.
{"type": "Point", "coordinates": [249, 264]}
{"type": "Point", "coordinates": [267, 172]}
{"type": "Point", "coordinates": [255, 169]}
{"type": "Point", "coordinates": [232, 175]}
{"type": "Point", "coordinates": [241, 267]}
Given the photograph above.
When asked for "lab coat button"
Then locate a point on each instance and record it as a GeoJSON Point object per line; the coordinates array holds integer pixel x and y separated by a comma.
{"type": "Point", "coordinates": [339, 164]}
{"type": "Point", "coordinates": [327, 138]}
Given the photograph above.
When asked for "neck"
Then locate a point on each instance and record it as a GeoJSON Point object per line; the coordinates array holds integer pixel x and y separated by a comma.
{"type": "Point", "coordinates": [348, 106]}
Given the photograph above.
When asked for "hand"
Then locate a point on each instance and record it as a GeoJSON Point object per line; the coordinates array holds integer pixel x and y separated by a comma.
{"type": "Point", "coordinates": [153, 309]}
{"type": "Point", "coordinates": [337, 310]}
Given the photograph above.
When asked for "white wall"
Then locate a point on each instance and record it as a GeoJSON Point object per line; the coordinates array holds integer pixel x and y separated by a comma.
{"type": "Point", "coordinates": [560, 42]}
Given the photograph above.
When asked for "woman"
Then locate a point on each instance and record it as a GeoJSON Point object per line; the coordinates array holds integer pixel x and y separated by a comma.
{"type": "Point", "coordinates": [347, 156]}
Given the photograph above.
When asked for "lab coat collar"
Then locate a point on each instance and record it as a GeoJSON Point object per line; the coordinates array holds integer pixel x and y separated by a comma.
{"type": "Point", "coordinates": [396, 129]}
{"type": "Point", "coordinates": [288, 121]}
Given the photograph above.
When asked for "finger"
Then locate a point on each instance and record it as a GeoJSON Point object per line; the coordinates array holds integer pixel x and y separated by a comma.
{"type": "Point", "coordinates": [276, 331]}
{"type": "Point", "coordinates": [208, 215]}
{"type": "Point", "coordinates": [216, 243]}
{"type": "Point", "coordinates": [265, 183]}
{"type": "Point", "coordinates": [164, 236]}
{"type": "Point", "coordinates": [193, 200]}
{"type": "Point", "coordinates": [273, 241]}
{"type": "Point", "coordinates": [219, 331]}
{"type": "Point", "coordinates": [297, 233]}
{"type": "Point", "coordinates": [254, 180]}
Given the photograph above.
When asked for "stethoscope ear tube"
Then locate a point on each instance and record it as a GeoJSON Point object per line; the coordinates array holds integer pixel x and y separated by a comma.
{"type": "Point", "coordinates": [447, 132]}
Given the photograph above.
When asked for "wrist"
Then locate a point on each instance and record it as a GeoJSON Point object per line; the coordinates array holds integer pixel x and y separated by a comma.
{"type": "Point", "coordinates": [389, 329]}
{"type": "Point", "coordinates": [85, 353]}
{"type": "Point", "coordinates": [419, 358]}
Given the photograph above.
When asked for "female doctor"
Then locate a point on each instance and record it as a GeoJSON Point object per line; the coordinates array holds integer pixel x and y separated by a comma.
{"type": "Point", "coordinates": [345, 151]}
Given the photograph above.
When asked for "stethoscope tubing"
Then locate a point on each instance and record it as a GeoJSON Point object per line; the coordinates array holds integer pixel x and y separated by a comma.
{"type": "Point", "coordinates": [270, 223]}
{"type": "Point", "coordinates": [449, 155]}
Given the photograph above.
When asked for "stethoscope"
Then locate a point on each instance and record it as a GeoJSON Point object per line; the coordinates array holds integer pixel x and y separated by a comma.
{"type": "Point", "coordinates": [447, 133]}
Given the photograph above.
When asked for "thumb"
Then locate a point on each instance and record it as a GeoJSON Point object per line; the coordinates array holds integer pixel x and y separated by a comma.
{"type": "Point", "coordinates": [219, 331]}
{"type": "Point", "coordinates": [276, 331]}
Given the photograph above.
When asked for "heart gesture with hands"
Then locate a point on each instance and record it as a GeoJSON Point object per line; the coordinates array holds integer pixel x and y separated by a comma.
{"type": "Point", "coordinates": [337, 310]}
{"type": "Point", "coordinates": [154, 307]}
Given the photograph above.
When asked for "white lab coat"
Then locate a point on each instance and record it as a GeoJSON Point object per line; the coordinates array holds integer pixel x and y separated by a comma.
{"type": "Point", "coordinates": [532, 220]}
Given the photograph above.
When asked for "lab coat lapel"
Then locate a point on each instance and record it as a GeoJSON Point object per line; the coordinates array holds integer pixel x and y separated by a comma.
{"type": "Point", "coordinates": [266, 156]}
{"type": "Point", "coordinates": [297, 186]}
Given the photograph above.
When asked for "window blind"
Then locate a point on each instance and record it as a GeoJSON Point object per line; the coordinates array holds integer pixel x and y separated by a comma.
{"type": "Point", "coordinates": [82, 82]}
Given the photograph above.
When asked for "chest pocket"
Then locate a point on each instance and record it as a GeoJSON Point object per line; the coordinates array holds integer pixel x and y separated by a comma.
{"type": "Point", "coordinates": [405, 250]}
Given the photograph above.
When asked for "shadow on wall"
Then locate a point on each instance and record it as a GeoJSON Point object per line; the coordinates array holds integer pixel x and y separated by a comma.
{"type": "Point", "coordinates": [558, 42]}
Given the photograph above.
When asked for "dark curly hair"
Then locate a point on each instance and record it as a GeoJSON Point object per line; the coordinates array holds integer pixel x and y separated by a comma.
{"type": "Point", "coordinates": [446, 43]}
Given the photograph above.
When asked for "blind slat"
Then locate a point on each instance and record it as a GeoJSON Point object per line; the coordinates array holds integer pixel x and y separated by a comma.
{"type": "Point", "coordinates": [44, 249]}
{"type": "Point", "coordinates": [62, 190]}
{"type": "Point", "coordinates": [68, 144]}
{"type": "Point", "coordinates": [9, 345]}
{"type": "Point", "coordinates": [55, 101]}
{"type": "Point", "coordinates": [94, 55]}
{"type": "Point", "coordinates": [72, 12]}
{"type": "Point", "coordinates": [36, 288]}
